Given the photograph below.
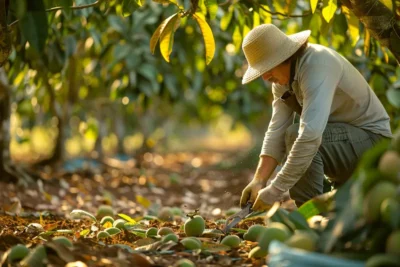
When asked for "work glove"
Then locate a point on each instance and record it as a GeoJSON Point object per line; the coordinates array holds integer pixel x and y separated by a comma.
{"type": "Point", "coordinates": [267, 197]}
{"type": "Point", "coordinates": [249, 193]}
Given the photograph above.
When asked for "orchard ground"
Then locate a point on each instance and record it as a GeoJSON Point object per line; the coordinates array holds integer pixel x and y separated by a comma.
{"type": "Point", "coordinates": [209, 181]}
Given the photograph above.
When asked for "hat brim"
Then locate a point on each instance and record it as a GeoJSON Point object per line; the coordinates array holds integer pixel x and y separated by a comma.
{"type": "Point", "coordinates": [253, 72]}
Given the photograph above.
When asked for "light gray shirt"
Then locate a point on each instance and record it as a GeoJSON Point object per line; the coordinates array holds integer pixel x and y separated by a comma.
{"type": "Point", "coordinates": [330, 89]}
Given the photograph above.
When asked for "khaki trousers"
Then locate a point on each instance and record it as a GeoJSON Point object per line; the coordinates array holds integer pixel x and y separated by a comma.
{"type": "Point", "coordinates": [341, 148]}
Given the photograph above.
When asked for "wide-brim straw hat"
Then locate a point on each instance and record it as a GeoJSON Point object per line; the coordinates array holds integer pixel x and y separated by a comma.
{"type": "Point", "coordinates": [265, 47]}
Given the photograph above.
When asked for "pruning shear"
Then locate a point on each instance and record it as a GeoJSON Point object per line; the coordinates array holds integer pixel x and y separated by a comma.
{"type": "Point", "coordinates": [233, 220]}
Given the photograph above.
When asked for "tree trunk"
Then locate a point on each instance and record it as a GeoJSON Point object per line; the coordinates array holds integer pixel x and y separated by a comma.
{"type": "Point", "coordinates": [5, 39]}
{"type": "Point", "coordinates": [380, 21]}
{"type": "Point", "coordinates": [5, 128]}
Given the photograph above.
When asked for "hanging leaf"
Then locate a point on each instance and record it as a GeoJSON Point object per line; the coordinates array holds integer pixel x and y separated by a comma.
{"type": "Point", "coordinates": [78, 214]}
{"type": "Point", "coordinates": [329, 9]}
{"type": "Point", "coordinates": [237, 38]}
{"type": "Point", "coordinates": [256, 18]}
{"type": "Point", "coordinates": [246, 30]}
{"type": "Point", "coordinates": [208, 37]}
{"type": "Point", "coordinates": [129, 6]}
{"type": "Point", "coordinates": [313, 4]}
{"type": "Point", "coordinates": [34, 25]}
{"type": "Point", "coordinates": [212, 7]}
{"type": "Point", "coordinates": [160, 29]}
{"type": "Point", "coordinates": [265, 14]}
{"type": "Point", "coordinates": [393, 96]}
{"type": "Point", "coordinates": [226, 19]}
{"type": "Point", "coordinates": [367, 42]}
{"type": "Point", "coordinates": [353, 24]}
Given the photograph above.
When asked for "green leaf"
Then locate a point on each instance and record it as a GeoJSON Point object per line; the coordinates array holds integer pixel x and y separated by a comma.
{"type": "Point", "coordinates": [329, 9]}
{"type": "Point", "coordinates": [256, 18]}
{"type": "Point", "coordinates": [317, 205]}
{"type": "Point", "coordinates": [208, 37]}
{"type": "Point", "coordinates": [237, 38]}
{"type": "Point", "coordinates": [130, 6]}
{"type": "Point", "coordinates": [299, 220]}
{"type": "Point", "coordinates": [157, 33]}
{"type": "Point", "coordinates": [117, 23]}
{"type": "Point", "coordinates": [393, 96]}
{"type": "Point", "coordinates": [212, 7]}
{"type": "Point", "coordinates": [313, 4]}
{"type": "Point", "coordinates": [78, 214]}
{"type": "Point", "coordinates": [226, 19]}
{"type": "Point", "coordinates": [34, 25]}
{"type": "Point", "coordinates": [126, 218]}
{"type": "Point", "coordinates": [167, 37]}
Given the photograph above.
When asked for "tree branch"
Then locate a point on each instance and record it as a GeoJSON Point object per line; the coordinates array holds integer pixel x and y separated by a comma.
{"type": "Point", "coordinates": [60, 8]}
{"type": "Point", "coordinates": [282, 14]}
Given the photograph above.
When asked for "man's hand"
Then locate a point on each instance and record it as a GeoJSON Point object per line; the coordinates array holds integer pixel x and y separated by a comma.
{"type": "Point", "coordinates": [249, 193]}
{"type": "Point", "coordinates": [267, 197]}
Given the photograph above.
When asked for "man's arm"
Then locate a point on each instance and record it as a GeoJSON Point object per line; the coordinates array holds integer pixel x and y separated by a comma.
{"type": "Point", "coordinates": [266, 166]}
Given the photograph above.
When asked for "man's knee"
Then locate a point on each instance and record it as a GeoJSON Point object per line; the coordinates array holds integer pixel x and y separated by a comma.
{"type": "Point", "coordinates": [291, 135]}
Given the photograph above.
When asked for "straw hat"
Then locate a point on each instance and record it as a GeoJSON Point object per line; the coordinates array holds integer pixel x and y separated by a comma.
{"type": "Point", "coordinates": [265, 47]}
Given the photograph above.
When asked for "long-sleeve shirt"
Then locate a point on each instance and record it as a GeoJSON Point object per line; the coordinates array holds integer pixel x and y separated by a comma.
{"type": "Point", "coordinates": [329, 89]}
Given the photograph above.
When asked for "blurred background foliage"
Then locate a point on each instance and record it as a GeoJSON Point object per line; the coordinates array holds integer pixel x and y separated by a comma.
{"type": "Point", "coordinates": [84, 82]}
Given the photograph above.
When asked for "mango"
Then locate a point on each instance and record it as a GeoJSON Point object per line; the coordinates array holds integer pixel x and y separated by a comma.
{"type": "Point", "coordinates": [257, 253]}
{"type": "Point", "coordinates": [383, 260]}
{"type": "Point", "coordinates": [170, 237]}
{"type": "Point", "coordinates": [375, 197]}
{"type": "Point", "coordinates": [302, 240]}
{"type": "Point", "coordinates": [254, 232]}
{"type": "Point", "coordinates": [275, 231]}
{"type": "Point", "coordinates": [165, 231]}
{"type": "Point", "coordinates": [104, 210]}
{"type": "Point", "coordinates": [395, 142]}
{"type": "Point", "coordinates": [184, 263]}
{"type": "Point", "coordinates": [17, 253]}
{"type": "Point", "coordinates": [152, 231]}
{"type": "Point", "coordinates": [63, 240]}
{"type": "Point", "coordinates": [194, 226]}
{"type": "Point", "coordinates": [165, 214]}
{"type": "Point", "coordinates": [390, 212]}
{"type": "Point", "coordinates": [191, 243]}
{"type": "Point", "coordinates": [393, 243]}
{"type": "Point", "coordinates": [232, 241]}
{"type": "Point", "coordinates": [36, 257]}
{"type": "Point", "coordinates": [389, 165]}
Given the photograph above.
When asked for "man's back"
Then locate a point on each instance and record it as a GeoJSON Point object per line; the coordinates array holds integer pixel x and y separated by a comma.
{"type": "Point", "coordinates": [353, 102]}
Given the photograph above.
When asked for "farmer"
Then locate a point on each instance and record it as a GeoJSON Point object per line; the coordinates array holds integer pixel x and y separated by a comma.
{"type": "Point", "coordinates": [340, 116]}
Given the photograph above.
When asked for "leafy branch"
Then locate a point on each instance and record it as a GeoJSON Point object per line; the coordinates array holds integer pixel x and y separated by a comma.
{"type": "Point", "coordinates": [60, 8]}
